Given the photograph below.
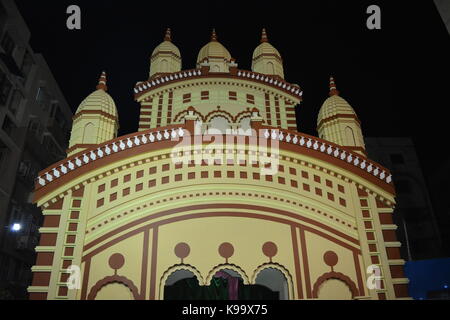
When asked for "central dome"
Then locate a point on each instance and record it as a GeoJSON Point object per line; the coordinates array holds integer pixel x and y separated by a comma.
{"type": "Point", "coordinates": [213, 49]}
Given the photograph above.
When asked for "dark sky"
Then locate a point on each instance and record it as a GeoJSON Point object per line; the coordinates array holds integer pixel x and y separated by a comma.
{"type": "Point", "coordinates": [397, 78]}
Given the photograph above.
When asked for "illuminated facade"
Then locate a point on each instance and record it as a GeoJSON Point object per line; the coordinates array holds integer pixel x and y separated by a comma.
{"type": "Point", "coordinates": [218, 188]}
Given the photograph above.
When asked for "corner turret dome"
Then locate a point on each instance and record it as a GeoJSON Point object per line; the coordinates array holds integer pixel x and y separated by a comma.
{"type": "Point", "coordinates": [267, 59]}
{"type": "Point", "coordinates": [99, 100]}
{"type": "Point", "coordinates": [166, 58]}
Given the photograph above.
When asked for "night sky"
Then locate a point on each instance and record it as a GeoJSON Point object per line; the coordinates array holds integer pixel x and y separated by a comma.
{"type": "Point", "coordinates": [396, 79]}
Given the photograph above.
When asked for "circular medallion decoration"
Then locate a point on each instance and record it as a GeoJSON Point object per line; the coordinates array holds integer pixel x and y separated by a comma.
{"type": "Point", "coordinates": [226, 250]}
{"type": "Point", "coordinates": [270, 249]}
{"type": "Point", "coordinates": [182, 250]}
{"type": "Point", "coordinates": [331, 259]}
{"type": "Point", "coordinates": [116, 261]}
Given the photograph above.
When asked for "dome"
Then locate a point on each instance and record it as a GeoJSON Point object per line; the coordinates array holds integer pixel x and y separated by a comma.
{"type": "Point", "coordinates": [99, 100]}
{"type": "Point", "coordinates": [265, 48]}
{"type": "Point", "coordinates": [167, 46]}
{"type": "Point", "coordinates": [335, 105]}
{"type": "Point", "coordinates": [213, 49]}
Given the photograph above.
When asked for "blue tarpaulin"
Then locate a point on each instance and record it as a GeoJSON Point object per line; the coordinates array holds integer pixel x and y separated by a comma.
{"type": "Point", "coordinates": [427, 275]}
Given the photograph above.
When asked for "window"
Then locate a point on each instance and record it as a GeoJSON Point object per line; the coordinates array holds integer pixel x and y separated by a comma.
{"type": "Point", "coordinates": [8, 44]}
{"type": "Point", "coordinates": [8, 126]}
{"type": "Point", "coordinates": [187, 98]}
{"type": "Point", "coordinates": [4, 151]}
{"type": "Point", "coordinates": [27, 63]}
{"type": "Point", "coordinates": [250, 99]}
{"type": "Point", "coordinates": [34, 126]}
{"type": "Point", "coordinates": [59, 118]}
{"type": "Point", "coordinates": [397, 159]}
{"type": "Point", "coordinates": [403, 187]}
{"type": "Point", "coordinates": [14, 103]}
{"type": "Point", "coordinates": [43, 98]}
{"type": "Point", "coordinates": [5, 88]}
{"type": "Point", "coordinates": [205, 95]}
{"type": "Point", "coordinates": [232, 95]}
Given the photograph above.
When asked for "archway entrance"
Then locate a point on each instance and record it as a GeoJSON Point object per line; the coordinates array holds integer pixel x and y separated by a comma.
{"type": "Point", "coordinates": [225, 285]}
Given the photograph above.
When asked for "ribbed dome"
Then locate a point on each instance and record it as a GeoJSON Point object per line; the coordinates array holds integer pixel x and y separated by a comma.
{"type": "Point", "coordinates": [266, 48]}
{"type": "Point", "coordinates": [334, 105]}
{"type": "Point", "coordinates": [167, 46]}
{"type": "Point", "coordinates": [213, 49]}
{"type": "Point", "coordinates": [99, 101]}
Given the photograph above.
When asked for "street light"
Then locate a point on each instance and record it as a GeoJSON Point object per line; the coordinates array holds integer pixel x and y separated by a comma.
{"type": "Point", "coordinates": [16, 227]}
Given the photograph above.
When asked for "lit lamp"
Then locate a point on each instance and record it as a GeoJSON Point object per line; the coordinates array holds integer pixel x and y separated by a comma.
{"type": "Point", "coordinates": [16, 227]}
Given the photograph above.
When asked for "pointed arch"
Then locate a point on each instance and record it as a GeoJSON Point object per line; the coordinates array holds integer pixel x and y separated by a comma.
{"type": "Point", "coordinates": [164, 66]}
{"type": "Point", "coordinates": [350, 137]}
{"type": "Point", "coordinates": [89, 136]}
{"type": "Point", "coordinates": [270, 68]}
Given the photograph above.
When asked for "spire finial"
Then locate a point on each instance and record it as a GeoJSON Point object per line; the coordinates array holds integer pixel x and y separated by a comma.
{"type": "Point", "coordinates": [264, 36]}
{"type": "Point", "coordinates": [213, 35]}
{"type": "Point", "coordinates": [333, 90]}
{"type": "Point", "coordinates": [102, 82]}
{"type": "Point", "coordinates": [168, 36]}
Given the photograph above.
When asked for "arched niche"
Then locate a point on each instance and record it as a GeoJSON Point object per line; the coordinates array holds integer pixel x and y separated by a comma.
{"type": "Point", "coordinates": [89, 135]}
{"type": "Point", "coordinates": [219, 125]}
{"type": "Point", "coordinates": [114, 291]}
{"type": "Point", "coordinates": [113, 288]}
{"type": "Point", "coordinates": [351, 141]}
{"type": "Point", "coordinates": [178, 273]}
{"type": "Point", "coordinates": [245, 127]}
{"type": "Point", "coordinates": [270, 68]}
{"type": "Point", "coordinates": [276, 281]}
{"type": "Point", "coordinates": [334, 289]}
{"type": "Point", "coordinates": [230, 269]}
{"type": "Point", "coordinates": [334, 286]}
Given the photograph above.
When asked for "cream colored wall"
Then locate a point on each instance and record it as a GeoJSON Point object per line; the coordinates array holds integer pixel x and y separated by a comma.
{"type": "Point", "coordinates": [260, 65]}
{"type": "Point", "coordinates": [157, 64]}
{"type": "Point", "coordinates": [335, 131]}
{"type": "Point", "coordinates": [247, 243]}
{"type": "Point", "coordinates": [334, 289]}
{"type": "Point", "coordinates": [104, 129]}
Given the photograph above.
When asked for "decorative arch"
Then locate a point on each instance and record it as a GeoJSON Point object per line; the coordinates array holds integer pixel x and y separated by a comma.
{"type": "Point", "coordinates": [350, 136]}
{"type": "Point", "coordinates": [114, 279]}
{"type": "Point", "coordinates": [180, 116]}
{"type": "Point", "coordinates": [337, 276]}
{"type": "Point", "coordinates": [89, 133]}
{"type": "Point", "coordinates": [270, 68]}
{"type": "Point", "coordinates": [233, 267]}
{"type": "Point", "coordinates": [242, 115]}
{"type": "Point", "coordinates": [219, 113]}
{"type": "Point", "coordinates": [174, 269]}
{"type": "Point", "coordinates": [280, 268]}
{"type": "Point", "coordinates": [164, 65]}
